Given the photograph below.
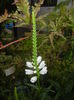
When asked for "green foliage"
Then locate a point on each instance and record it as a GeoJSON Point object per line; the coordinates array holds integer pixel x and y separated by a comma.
{"type": "Point", "coordinates": [63, 3]}
{"type": "Point", "coordinates": [5, 61]}
{"type": "Point", "coordinates": [22, 6]}
{"type": "Point", "coordinates": [58, 84]}
{"type": "Point", "coordinates": [60, 70]}
{"type": "Point", "coordinates": [58, 21]}
{"type": "Point", "coordinates": [24, 17]}
{"type": "Point", "coordinates": [6, 35]}
{"type": "Point", "coordinates": [4, 17]}
{"type": "Point", "coordinates": [71, 19]}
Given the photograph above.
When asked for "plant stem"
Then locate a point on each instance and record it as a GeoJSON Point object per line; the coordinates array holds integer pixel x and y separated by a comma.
{"type": "Point", "coordinates": [34, 39]}
{"type": "Point", "coordinates": [15, 93]}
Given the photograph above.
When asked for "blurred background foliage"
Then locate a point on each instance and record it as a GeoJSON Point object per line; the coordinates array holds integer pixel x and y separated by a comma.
{"type": "Point", "coordinates": [58, 84]}
{"type": "Point", "coordinates": [60, 63]}
{"type": "Point", "coordinates": [7, 4]}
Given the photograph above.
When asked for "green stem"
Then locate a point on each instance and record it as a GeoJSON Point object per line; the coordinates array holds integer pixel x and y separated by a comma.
{"type": "Point", "coordinates": [34, 39]}
{"type": "Point", "coordinates": [15, 93]}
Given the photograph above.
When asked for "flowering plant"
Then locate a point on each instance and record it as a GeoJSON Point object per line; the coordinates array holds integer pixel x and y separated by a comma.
{"type": "Point", "coordinates": [38, 66]}
{"type": "Point", "coordinates": [41, 66]}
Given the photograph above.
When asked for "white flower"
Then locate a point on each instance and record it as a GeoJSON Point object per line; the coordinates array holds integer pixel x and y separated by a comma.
{"type": "Point", "coordinates": [28, 71]}
{"type": "Point", "coordinates": [33, 79]}
{"type": "Point", "coordinates": [42, 65]}
{"type": "Point", "coordinates": [29, 64]}
{"type": "Point", "coordinates": [42, 69]}
{"type": "Point", "coordinates": [39, 58]}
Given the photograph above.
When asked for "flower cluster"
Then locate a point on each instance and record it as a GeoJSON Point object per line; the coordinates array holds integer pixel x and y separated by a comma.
{"type": "Point", "coordinates": [42, 69]}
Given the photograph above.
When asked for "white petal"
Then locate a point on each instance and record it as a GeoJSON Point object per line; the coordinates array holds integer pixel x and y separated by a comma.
{"type": "Point", "coordinates": [42, 65]}
{"type": "Point", "coordinates": [33, 79]}
{"type": "Point", "coordinates": [39, 58]}
{"type": "Point", "coordinates": [29, 72]}
{"type": "Point", "coordinates": [43, 71]}
{"type": "Point", "coordinates": [29, 64]}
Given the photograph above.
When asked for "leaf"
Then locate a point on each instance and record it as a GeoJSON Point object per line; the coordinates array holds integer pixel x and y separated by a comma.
{"type": "Point", "coordinates": [69, 87]}
{"type": "Point", "coordinates": [37, 6]}
{"type": "Point", "coordinates": [20, 24]}
{"type": "Point", "coordinates": [4, 17]}
{"type": "Point", "coordinates": [45, 93]}
{"type": "Point", "coordinates": [33, 86]}
{"type": "Point", "coordinates": [65, 2]}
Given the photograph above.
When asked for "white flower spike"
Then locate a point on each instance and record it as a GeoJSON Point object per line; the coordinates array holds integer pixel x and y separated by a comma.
{"type": "Point", "coordinates": [42, 69]}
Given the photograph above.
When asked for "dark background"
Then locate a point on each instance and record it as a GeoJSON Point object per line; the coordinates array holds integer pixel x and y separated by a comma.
{"type": "Point", "coordinates": [7, 4]}
{"type": "Point", "coordinates": [50, 3]}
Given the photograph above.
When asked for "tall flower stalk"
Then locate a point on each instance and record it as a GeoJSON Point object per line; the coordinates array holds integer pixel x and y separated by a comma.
{"type": "Point", "coordinates": [37, 66]}
{"type": "Point", "coordinates": [34, 40]}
